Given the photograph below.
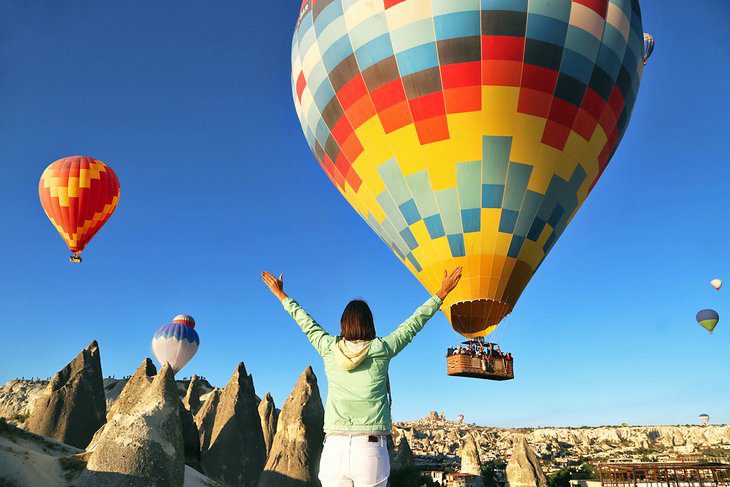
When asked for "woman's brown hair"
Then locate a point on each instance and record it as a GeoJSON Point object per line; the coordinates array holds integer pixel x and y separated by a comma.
{"type": "Point", "coordinates": [357, 321]}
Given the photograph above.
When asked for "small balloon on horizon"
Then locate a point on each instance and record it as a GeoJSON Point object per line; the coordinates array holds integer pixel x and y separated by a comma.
{"type": "Point", "coordinates": [649, 43]}
{"type": "Point", "coordinates": [708, 319]}
{"type": "Point", "coordinates": [716, 283]}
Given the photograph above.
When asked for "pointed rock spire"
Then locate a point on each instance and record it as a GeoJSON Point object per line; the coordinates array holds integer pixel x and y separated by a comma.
{"type": "Point", "coordinates": [269, 416]}
{"type": "Point", "coordinates": [142, 443]}
{"type": "Point", "coordinates": [404, 455]}
{"type": "Point", "coordinates": [139, 380]}
{"type": "Point", "coordinates": [205, 418]}
{"type": "Point", "coordinates": [523, 469]}
{"type": "Point", "coordinates": [232, 442]}
{"type": "Point", "coordinates": [72, 407]}
{"type": "Point", "coordinates": [294, 456]}
{"type": "Point", "coordinates": [469, 454]}
{"type": "Point", "coordinates": [191, 401]}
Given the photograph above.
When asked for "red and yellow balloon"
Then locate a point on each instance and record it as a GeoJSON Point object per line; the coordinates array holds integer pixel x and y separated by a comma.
{"type": "Point", "coordinates": [78, 194]}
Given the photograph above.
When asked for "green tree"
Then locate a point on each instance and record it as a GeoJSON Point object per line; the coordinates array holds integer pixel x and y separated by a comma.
{"type": "Point", "coordinates": [410, 476]}
{"type": "Point", "coordinates": [561, 478]}
{"type": "Point", "coordinates": [489, 472]}
{"type": "Point", "coordinates": [587, 471]}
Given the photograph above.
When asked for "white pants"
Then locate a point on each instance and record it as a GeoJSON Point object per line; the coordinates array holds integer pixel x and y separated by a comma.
{"type": "Point", "coordinates": [349, 461]}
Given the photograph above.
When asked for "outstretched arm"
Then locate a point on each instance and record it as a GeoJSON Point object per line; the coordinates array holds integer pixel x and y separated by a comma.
{"type": "Point", "coordinates": [403, 335]}
{"type": "Point", "coordinates": [318, 336]}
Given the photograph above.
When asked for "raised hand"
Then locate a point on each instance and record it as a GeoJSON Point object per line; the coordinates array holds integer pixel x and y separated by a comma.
{"type": "Point", "coordinates": [449, 282]}
{"type": "Point", "coordinates": [276, 286]}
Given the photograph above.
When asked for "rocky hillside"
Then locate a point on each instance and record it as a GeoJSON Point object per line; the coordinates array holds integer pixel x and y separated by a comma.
{"type": "Point", "coordinates": [32, 460]}
{"type": "Point", "coordinates": [18, 397]}
{"type": "Point", "coordinates": [150, 429]}
{"type": "Point", "coordinates": [440, 439]}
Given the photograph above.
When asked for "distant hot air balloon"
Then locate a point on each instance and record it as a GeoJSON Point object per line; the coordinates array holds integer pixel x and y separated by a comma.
{"type": "Point", "coordinates": [705, 419]}
{"type": "Point", "coordinates": [176, 343]}
{"type": "Point", "coordinates": [467, 133]}
{"type": "Point", "coordinates": [707, 319]}
{"type": "Point", "coordinates": [460, 418]}
{"type": "Point", "coordinates": [78, 194]}
{"type": "Point", "coordinates": [648, 46]}
{"type": "Point", "coordinates": [716, 283]}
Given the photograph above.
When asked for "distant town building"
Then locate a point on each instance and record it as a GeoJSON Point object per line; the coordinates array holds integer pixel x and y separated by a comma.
{"type": "Point", "coordinates": [435, 475]}
{"type": "Point", "coordinates": [454, 479]}
{"type": "Point", "coordinates": [462, 480]}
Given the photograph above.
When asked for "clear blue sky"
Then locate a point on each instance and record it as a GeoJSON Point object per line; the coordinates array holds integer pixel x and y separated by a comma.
{"type": "Point", "coordinates": [191, 105]}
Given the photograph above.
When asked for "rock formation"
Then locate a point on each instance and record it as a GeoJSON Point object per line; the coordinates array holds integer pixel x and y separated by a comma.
{"type": "Point", "coordinates": [404, 455]}
{"type": "Point", "coordinates": [72, 407]}
{"type": "Point", "coordinates": [112, 389]}
{"type": "Point", "coordinates": [232, 442]}
{"type": "Point", "coordinates": [27, 459]}
{"type": "Point", "coordinates": [142, 442]}
{"type": "Point", "coordinates": [191, 438]}
{"type": "Point", "coordinates": [269, 417]}
{"type": "Point", "coordinates": [192, 397]}
{"type": "Point", "coordinates": [433, 416]}
{"type": "Point", "coordinates": [18, 397]}
{"type": "Point", "coordinates": [432, 438]}
{"type": "Point", "coordinates": [205, 418]}
{"type": "Point", "coordinates": [294, 457]}
{"type": "Point", "coordinates": [523, 469]}
{"type": "Point", "coordinates": [469, 454]}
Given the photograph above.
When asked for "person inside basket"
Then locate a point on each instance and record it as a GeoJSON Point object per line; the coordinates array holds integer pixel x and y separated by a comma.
{"type": "Point", "coordinates": [357, 416]}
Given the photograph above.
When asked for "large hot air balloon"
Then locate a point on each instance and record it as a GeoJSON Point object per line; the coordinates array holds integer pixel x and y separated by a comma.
{"type": "Point", "coordinates": [78, 194]}
{"type": "Point", "coordinates": [716, 283]}
{"type": "Point", "coordinates": [176, 343]}
{"type": "Point", "coordinates": [705, 419]}
{"type": "Point", "coordinates": [648, 46]}
{"type": "Point", "coordinates": [467, 133]}
{"type": "Point", "coordinates": [707, 319]}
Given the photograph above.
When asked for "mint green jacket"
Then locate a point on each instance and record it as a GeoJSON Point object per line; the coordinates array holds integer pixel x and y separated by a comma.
{"type": "Point", "coordinates": [357, 401]}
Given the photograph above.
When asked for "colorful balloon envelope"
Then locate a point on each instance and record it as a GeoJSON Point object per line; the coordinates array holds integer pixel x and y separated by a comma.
{"type": "Point", "coordinates": [78, 194]}
{"type": "Point", "coordinates": [707, 319]}
{"type": "Point", "coordinates": [176, 343]}
{"type": "Point", "coordinates": [716, 283]}
{"type": "Point", "coordinates": [467, 133]}
{"type": "Point", "coordinates": [705, 419]}
{"type": "Point", "coordinates": [648, 46]}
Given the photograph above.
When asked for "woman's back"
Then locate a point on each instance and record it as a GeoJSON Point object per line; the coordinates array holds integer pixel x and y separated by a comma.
{"type": "Point", "coordinates": [357, 399]}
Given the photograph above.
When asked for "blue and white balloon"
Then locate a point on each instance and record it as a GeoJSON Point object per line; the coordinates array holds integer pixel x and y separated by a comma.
{"type": "Point", "coordinates": [176, 343]}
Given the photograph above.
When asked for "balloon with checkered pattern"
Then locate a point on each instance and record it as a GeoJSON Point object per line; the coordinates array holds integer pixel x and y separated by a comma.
{"type": "Point", "coordinates": [78, 194]}
{"type": "Point", "coordinates": [467, 132]}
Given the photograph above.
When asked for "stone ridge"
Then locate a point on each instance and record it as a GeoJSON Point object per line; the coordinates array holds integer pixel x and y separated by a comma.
{"type": "Point", "coordinates": [439, 440]}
